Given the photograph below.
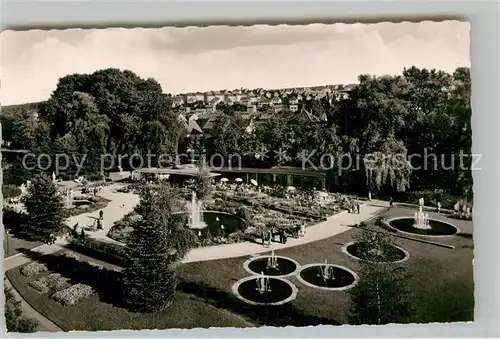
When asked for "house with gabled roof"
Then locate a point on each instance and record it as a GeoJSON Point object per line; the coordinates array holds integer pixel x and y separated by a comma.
{"type": "Point", "coordinates": [276, 100]}
{"type": "Point", "coordinates": [312, 117]}
{"type": "Point", "coordinates": [251, 108]}
{"type": "Point", "coordinates": [293, 107]}
{"type": "Point", "coordinates": [193, 127]}
{"type": "Point", "coordinates": [263, 102]}
{"type": "Point", "coordinates": [278, 108]}
{"type": "Point", "coordinates": [177, 101]}
{"type": "Point", "coordinates": [251, 127]}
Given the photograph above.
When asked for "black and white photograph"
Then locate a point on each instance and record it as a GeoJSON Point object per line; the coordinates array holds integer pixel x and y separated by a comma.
{"type": "Point", "coordinates": [237, 176]}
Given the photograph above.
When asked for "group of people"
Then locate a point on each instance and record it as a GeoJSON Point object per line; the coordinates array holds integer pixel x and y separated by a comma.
{"type": "Point", "coordinates": [355, 208]}
{"type": "Point", "coordinates": [97, 224]}
{"type": "Point", "coordinates": [271, 236]}
{"type": "Point", "coordinates": [268, 236]}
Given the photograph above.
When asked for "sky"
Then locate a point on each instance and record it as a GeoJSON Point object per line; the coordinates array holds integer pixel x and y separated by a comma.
{"type": "Point", "coordinates": [221, 57]}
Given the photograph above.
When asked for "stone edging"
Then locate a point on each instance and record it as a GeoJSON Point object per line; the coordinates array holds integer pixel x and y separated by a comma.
{"type": "Point", "coordinates": [344, 250]}
{"type": "Point", "coordinates": [295, 290]}
{"type": "Point", "coordinates": [343, 288]}
{"type": "Point", "coordinates": [388, 223]}
{"type": "Point", "coordinates": [247, 268]}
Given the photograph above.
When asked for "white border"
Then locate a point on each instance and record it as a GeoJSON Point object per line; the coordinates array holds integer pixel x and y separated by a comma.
{"type": "Point", "coordinates": [292, 296]}
{"type": "Point", "coordinates": [247, 268]}
{"type": "Point", "coordinates": [344, 250]}
{"type": "Point", "coordinates": [343, 288]}
{"type": "Point", "coordinates": [458, 231]}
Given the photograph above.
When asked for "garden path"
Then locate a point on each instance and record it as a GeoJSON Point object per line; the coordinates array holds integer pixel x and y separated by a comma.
{"type": "Point", "coordinates": [120, 205]}
{"type": "Point", "coordinates": [334, 225]}
{"type": "Point", "coordinates": [44, 324]}
{"type": "Point", "coordinates": [123, 203]}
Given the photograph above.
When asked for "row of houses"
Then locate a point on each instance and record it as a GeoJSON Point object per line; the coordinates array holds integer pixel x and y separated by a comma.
{"type": "Point", "coordinates": [260, 98]}
{"type": "Point", "coordinates": [204, 123]}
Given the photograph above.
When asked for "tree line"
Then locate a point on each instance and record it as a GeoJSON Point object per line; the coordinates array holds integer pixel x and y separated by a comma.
{"type": "Point", "coordinates": [420, 111]}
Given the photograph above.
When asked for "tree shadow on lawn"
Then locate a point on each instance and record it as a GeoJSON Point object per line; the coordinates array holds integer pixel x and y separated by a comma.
{"type": "Point", "coordinates": [104, 281]}
{"type": "Point", "coordinates": [278, 316]}
{"type": "Point", "coordinates": [13, 222]}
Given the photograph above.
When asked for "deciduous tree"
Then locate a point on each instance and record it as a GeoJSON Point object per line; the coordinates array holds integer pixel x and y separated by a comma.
{"type": "Point", "coordinates": [382, 295]}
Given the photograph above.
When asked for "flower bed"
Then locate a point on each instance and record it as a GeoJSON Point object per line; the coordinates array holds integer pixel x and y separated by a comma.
{"type": "Point", "coordinates": [33, 269]}
{"type": "Point", "coordinates": [52, 281]}
{"type": "Point", "coordinates": [74, 294]}
{"type": "Point", "coordinates": [296, 207]}
{"type": "Point", "coordinates": [122, 228]}
{"type": "Point", "coordinates": [100, 250]}
{"type": "Point", "coordinates": [96, 203]}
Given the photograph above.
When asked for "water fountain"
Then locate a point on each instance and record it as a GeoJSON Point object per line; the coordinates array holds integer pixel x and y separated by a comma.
{"type": "Point", "coordinates": [265, 291]}
{"type": "Point", "coordinates": [421, 219]}
{"type": "Point", "coordinates": [272, 261]}
{"type": "Point", "coordinates": [271, 265]}
{"type": "Point", "coordinates": [327, 276]}
{"type": "Point", "coordinates": [196, 219]}
{"type": "Point", "coordinates": [326, 271]}
{"type": "Point", "coordinates": [262, 283]}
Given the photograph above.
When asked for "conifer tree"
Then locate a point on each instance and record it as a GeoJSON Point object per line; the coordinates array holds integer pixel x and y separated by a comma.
{"type": "Point", "coordinates": [159, 239]}
{"type": "Point", "coordinates": [44, 205]}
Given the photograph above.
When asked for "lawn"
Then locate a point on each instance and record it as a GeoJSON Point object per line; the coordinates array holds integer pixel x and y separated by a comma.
{"type": "Point", "coordinates": [103, 312]}
{"type": "Point", "coordinates": [442, 280]}
{"type": "Point", "coordinates": [18, 245]}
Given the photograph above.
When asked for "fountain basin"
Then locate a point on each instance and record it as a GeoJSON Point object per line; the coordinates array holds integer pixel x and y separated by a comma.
{"type": "Point", "coordinates": [437, 228]}
{"type": "Point", "coordinates": [344, 278]}
{"type": "Point", "coordinates": [258, 265]}
{"type": "Point", "coordinates": [210, 224]}
{"type": "Point", "coordinates": [361, 251]}
{"type": "Point", "coordinates": [281, 291]}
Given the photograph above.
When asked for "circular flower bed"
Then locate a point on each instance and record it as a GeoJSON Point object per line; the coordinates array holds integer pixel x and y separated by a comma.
{"type": "Point", "coordinates": [277, 292]}
{"type": "Point", "coordinates": [437, 228]}
{"type": "Point", "coordinates": [263, 265]}
{"type": "Point", "coordinates": [366, 251]}
{"type": "Point", "coordinates": [339, 278]}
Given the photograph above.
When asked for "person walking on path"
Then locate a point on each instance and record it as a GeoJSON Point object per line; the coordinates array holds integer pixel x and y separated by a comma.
{"type": "Point", "coordinates": [439, 207]}
{"type": "Point", "coordinates": [391, 203]}
{"type": "Point", "coordinates": [357, 208]}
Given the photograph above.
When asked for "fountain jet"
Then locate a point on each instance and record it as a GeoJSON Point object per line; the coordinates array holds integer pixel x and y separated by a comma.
{"type": "Point", "coordinates": [262, 283]}
{"type": "Point", "coordinates": [421, 219]}
{"type": "Point", "coordinates": [272, 261]}
{"type": "Point", "coordinates": [326, 271]}
{"type": "Point", "coordinates": [195, 219]}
